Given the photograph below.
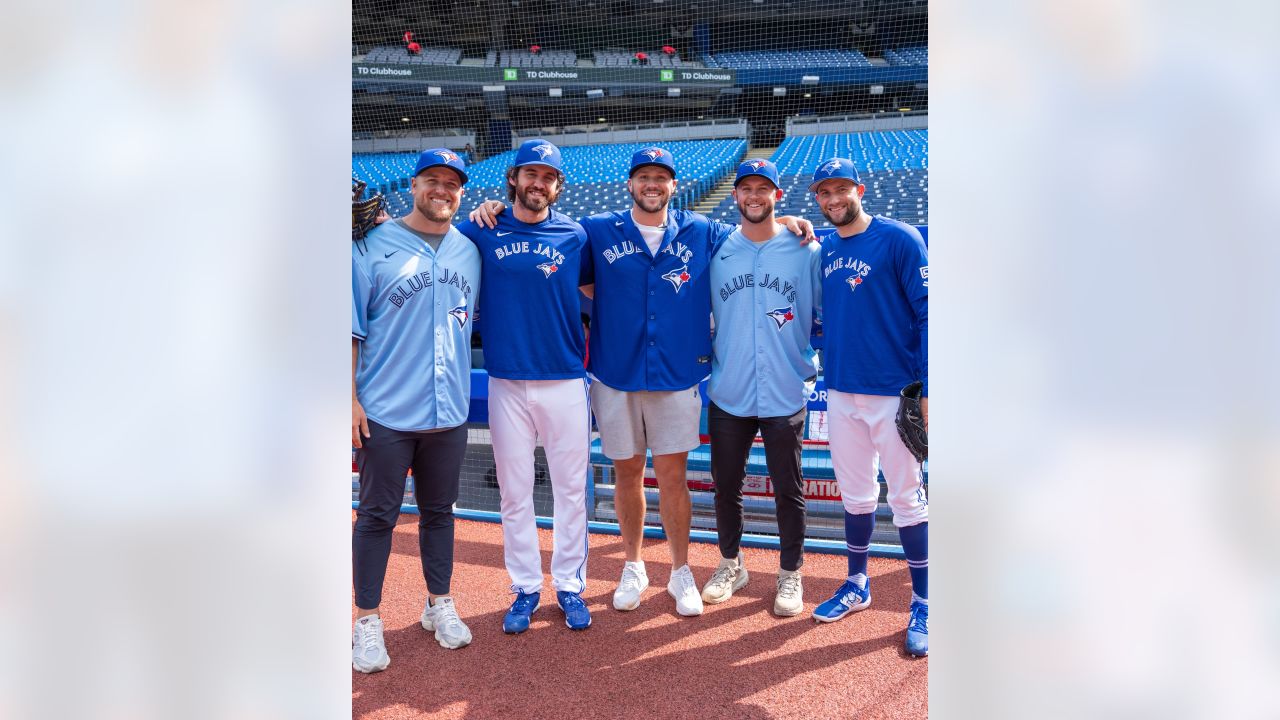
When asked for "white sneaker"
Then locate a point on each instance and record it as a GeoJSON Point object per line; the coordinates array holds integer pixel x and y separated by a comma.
{"type": "Point", "coordinates": [368, 651]}
{"type": "Point", "coordinates": [729, 577]}
{"type": "Point", "coordinates": [683, 588]}
{"type": "Point", "coordinates": [442, 617]}
{"type": "Point", "coordinates": [789, 600]}
{"type": "Point", "coordinates": [634, 581]}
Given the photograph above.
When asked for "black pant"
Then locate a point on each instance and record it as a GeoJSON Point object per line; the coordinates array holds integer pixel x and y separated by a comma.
{"type": "Point", "coordinates": [387, 455]}
{"type": "Point", "coordinates": [731, 438]}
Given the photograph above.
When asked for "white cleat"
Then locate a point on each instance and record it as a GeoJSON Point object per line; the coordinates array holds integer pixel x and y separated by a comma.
{"type": "Point", "coordinates": [683, 588]}
{"type": "Point", "coordinates": [368, 650]}
{"type": "Point", "coordinates": [634, 581]}
{"type": "Point", "coordinates": [729, 577]}
{"type": "Point", "coordinates": [442, 619]}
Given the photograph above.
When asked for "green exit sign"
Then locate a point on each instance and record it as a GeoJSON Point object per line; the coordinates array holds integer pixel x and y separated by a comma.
{"type": "Point", "coordinates": [510, 74]}
{"type": "Point", "coordinates": [667, 75]}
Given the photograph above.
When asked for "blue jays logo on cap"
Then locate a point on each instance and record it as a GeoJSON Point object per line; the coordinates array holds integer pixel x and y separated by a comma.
{"type": "Point", "coordinates": [441, 157]}
{"type": "Point", "coordinates": [460, 314]}
{"type": "Point", "coordinates": [654, 156]}
{"type": "Point", "coordinates": [763, 168]}
{"type": "Point", "coordinates": [538, 152]}
{"type": "Point", "coordinates": [677, 277]}
{"type": "Point", "coordinates": [547, 268]}
{"type": "Point", "coordinates": [841, 168]}
{"type": "Point", "coordinates": [782, 315]}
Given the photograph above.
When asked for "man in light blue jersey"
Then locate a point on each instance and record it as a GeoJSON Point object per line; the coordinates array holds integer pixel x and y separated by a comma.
{"type": "Point", "coordinates": [414, 286]}
{"type": "Point", "coordinates": [876, 318]}
{"type": "Point", "coordinates": [765, 290]}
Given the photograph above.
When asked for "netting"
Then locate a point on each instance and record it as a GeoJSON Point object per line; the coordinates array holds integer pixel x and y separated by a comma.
{"type": "Point", "coordinates": [713, 82]}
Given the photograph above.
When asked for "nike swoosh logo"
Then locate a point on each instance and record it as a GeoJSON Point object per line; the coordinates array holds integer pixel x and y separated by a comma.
{"type": "Point", "coordinates": [393, 252]}
{"type": "Point", "coordinates": [618, 223]}
{"type": "Point", "coordinates": [505, 233]}
{"type": "Point", "coordinates": [830, 253]}
{"type": "Point", "coordinates": [726, 257]}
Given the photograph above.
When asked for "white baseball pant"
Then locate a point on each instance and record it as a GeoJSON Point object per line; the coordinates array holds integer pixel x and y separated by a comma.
{"type": "Point", "coordinates": [521, 412]}
{"type": "Point", "coordinates": [862, 431]}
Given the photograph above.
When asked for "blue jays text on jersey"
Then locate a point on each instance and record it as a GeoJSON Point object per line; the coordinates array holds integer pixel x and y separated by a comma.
{"type": "Point", "coordinates": [411, 308]}
{"type": "Point", "coordinates": [876, 309]}
{"type": "Point", "coordinates": [767, 295]}
{"type": "Point", "coordinates": [532, 325]}
{"type": "Point", "coordinates": [651, 320]}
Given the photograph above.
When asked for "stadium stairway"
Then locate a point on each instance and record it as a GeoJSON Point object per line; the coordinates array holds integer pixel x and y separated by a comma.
{"type": "Point", "coordinates": [724, 188]}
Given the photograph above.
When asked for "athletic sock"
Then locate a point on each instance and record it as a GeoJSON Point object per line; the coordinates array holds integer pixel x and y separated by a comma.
{"type": "Point", "coordinates": [860, 580]}
{"type": "Point", "coordinates": [857, 538]}
{"type": "Point", "coordinates": [915, 545]}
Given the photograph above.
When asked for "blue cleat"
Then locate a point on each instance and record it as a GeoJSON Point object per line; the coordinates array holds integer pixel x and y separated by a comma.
{"type": "Point", "coordinates": [848, 598]}
{"type": "Point", "coordinates": [918, 630]}
{"type": "Point", "coordinates": [517, 618]}
{"type": "Point", "coordinates": [576, 614]}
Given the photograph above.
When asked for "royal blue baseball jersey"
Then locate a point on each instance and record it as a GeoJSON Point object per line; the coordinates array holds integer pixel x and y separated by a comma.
{"type": "Point", "coordinates": [764, 296]}
{"type": "Point", "coordinates": [411, 307]}
{"type": "Point", "coordinates": [532, 326]}
{"type": "Point", "coordinates": [651, 320]}
{"type": "Point", "coordinates": [875, 315]}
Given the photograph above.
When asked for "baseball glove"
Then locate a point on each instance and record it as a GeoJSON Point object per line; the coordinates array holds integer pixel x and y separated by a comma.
{"type": "Point", "coordinates": [364, 213]}
{"type": "Point", "coordinates": [910, 422]}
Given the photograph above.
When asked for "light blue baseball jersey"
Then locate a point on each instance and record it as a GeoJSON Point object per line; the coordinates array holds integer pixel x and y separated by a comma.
{"type": "Point", "coordinates": [411, 307]}
{"type": "Point", "coordinates": [763, 298]}
{"type": "Point", "coordinates": [651, 319]}
{"type": "Point", "coordinates": [876, 309]}
{"type": "Point", "coordinates": [532, 320]}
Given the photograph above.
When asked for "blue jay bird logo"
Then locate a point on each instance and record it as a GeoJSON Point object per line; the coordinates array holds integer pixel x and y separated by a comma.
{"type": "Point", "coordinates": [447, 156]}
{"type": "Point", "coordinates": [754, 164]}
{"type": "Point", "coordinates": [548, 268]}
{"type": "Point", "coordinates": [854, 282]}
{"type": "Point", "coordinates": [782, 315]}
{"type": "Point", "coordinates": [653, 153]}
{"type": "Point", "coordinates": [460, 314]}
{"type": "Point", "coordinates": [678, 277]}
{"type": "Point", "coordinates": [543, 150]}
{"type": "Point", "coordinates": [831, 167]}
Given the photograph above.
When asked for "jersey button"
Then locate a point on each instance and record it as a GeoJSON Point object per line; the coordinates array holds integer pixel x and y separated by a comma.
{"type": "Point", "coordinates": [652, 343]}
{"type": "Point", "coordinates": [653, 317]}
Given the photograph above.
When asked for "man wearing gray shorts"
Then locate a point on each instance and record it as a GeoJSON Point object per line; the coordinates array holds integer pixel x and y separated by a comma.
{"type": "Point", "coordinates": [649, 348]}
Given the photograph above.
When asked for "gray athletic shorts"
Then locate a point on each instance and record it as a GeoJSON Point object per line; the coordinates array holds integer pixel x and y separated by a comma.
{"type": "Point", "coordinates": [630, 422]}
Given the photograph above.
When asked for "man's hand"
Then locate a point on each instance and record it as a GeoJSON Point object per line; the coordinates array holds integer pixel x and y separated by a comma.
{"type": "Point", "coordinates": [359, 424]}
{"type": "Point", "coordinates": [487, 214]}
{"type": "Point", "coordinates": [799, 226]}
{"type": "Point", "coordinates": [924, 412]}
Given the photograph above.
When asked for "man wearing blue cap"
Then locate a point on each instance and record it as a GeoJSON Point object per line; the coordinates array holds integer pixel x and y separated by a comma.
{"type": "Point", "coordinates": [650, 347]}
{"type": "Point", "coordinates": [765, 291]}
{"type": "Point", "coordinates": [537, 384]}
{"type": "Point", "coordinates": [876, 310]}
{"type": "Point", "coordinates": [414, 286]}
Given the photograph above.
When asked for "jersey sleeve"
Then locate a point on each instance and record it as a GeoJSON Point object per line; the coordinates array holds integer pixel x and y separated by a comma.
{"type": "Point", "coordinates": [913, 269]}
{"type": "Point", "coordinates": [815, 278]}
{"type": "Point", "coordinates": [587, 268]}
{"type": "Point", "coordinates": [468, 229]}
{"type": "Point", "coordinates": [361, 292]}
{"type": "Point", "coordinates": [718, 234]}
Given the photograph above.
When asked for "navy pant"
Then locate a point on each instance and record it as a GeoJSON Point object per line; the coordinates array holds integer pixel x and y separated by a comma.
{"type": "Point", "coordinates": [387, 455]}
{"type": "Point", "coordinates": [731, 437]}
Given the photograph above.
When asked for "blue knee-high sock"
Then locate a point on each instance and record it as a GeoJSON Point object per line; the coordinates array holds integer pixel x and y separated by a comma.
{"type": "Point", "coordinates": [915, 545]}
{"type": "Point", "coordinates": [857, 537]}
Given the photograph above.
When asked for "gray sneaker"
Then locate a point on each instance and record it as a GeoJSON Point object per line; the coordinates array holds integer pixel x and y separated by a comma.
{"type": "Point", "coordinates": [442, 618]}
{"type": "Point", "coordinates": [368, 651]}
{"type": "Point", "coordinates": [789, 600]}
{"type": "Point", "coordinates": [729, 577]}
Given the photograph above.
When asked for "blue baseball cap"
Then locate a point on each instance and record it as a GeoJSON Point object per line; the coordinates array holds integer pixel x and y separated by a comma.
{"type": "Point", "coordinates": [763, 168]}
{"type": "Point", "coordinates": [653, 156]}
{"type": "Point", "coordinates": [441, 157]}
{"type": "Point", "coordinates": [840, 168]}
{"type": "Point", "coordinates": [538, 152]}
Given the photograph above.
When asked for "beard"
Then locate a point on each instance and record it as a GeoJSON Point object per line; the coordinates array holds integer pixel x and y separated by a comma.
{"type": "Point", "coordinates": [764, 212]}
{"type": "Point", "coordinates": [535, 203]}
{"type": "Point", "coordinates": [650, 205]}
{"type": "Point", "coordinates": [847, 217]}
{"type": "Point", "coordinates": [436, 213]}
